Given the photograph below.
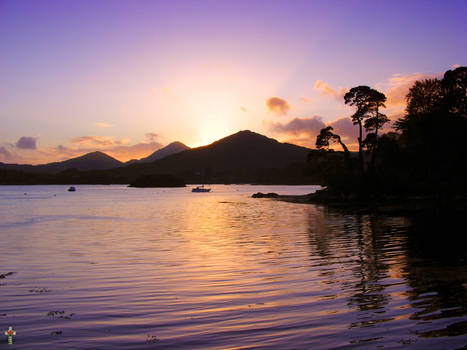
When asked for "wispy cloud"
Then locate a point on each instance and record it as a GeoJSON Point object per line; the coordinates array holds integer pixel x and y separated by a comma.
{"type": "Point", "coordinates": [278, 105]}
{"type": "Point", "coordinates": [151, 136]}
{"type": "Point", "coordinates": [6, 155]}
{"type": "Point", "coordinates": [103, 125]}
{"type": "Point", "coordinates": [326, 90]}
{"type": "Point", "coordinates": [399, 85]}
{"type": "Point", "coordinates": [305, 99]}
{"type": "Point", "coordinates": [96, 140]}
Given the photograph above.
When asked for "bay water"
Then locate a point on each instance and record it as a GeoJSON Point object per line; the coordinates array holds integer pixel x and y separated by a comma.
{"type": "Point", "coordinates": [113, 267]}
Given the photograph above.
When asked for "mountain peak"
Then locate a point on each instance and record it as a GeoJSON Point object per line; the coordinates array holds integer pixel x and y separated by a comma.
{"type": "Point", "coordinates": [88, 161]}
{"type": "Point", "coordinates": [171, 148]}
{"type": "Point", "coordinates": [245, 136]}
{"type": "Point", "coordinates": [95, 154]}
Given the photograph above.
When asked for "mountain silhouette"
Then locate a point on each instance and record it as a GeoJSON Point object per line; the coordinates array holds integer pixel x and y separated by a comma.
{"type": "Point", "coordinates": [172, 148]}
{"type": "Point", "coordinates": [89, 161]}
{"type": "Point", "coordinates": [244, 156]}
{"type": "Point", "coordinates": [241, 151]}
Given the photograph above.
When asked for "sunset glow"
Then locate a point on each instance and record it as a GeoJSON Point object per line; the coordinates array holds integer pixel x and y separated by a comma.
{"type": "Point", "coordinates": [197, 73]}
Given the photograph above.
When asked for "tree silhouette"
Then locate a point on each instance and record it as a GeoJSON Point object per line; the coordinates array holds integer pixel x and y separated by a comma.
{"type": "Point", "coordinates": [454, 86]}
{"type": "Point", "coordinates": [424, 97]}
{"type": "Point", "coordinates": [326, 135]}
{"type": "Point", "coordinates": [377, 121]}
{"type": "Point", "coordinates": [433, 133]}
{"type": "Point", "coordinates": [374, 123]}
{"type": "Point", "coordinates": [360, 97]}
{"type": "Point", "coordinates": [370, 142]}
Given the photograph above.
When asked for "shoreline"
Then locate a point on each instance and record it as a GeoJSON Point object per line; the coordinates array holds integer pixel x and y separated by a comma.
{"type": "Point", "coordinates": [389, 205]}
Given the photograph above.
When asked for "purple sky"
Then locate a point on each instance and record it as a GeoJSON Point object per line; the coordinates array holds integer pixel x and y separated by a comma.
{"type": "Point", "coordinates": [111, 72]}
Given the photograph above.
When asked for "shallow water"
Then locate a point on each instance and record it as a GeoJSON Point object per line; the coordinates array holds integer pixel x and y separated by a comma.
{"type": "Point", "coordinates": [111, 267]}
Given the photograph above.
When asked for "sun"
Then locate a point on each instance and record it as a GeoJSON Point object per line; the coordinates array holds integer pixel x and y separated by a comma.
{"type": "Point", "coordinates": [211, 128]}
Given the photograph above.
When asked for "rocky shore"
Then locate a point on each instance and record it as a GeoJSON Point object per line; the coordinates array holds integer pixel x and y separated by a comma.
{"type": "Point", "coordinates": [385, 204]}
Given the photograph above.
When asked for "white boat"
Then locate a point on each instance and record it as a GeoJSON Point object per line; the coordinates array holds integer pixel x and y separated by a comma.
{"type": "Point", "coordinates": [200, 189]}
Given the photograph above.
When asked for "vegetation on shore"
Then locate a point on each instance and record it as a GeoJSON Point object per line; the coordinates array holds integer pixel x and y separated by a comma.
{"type": "Point", "coordinates": [423, 158]}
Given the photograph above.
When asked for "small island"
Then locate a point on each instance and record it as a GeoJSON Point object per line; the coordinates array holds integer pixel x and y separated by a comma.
{"type": "Point", "coordinates": [158, 180]}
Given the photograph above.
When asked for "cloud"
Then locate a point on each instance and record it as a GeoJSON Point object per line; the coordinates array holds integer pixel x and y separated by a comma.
{"type": "Point", "coordinates": [299, 126]}
{"type": "Point", "coordinates": [65, 150]}
{"type": "Point", "coordinates": [454, 66]}
{"type": "Point", "coordinates": [5, 155]}
{"type": "Point", "coordinates": [345, 129]}
{"type": "Point", "coordinates": [326, 90]}
{"type": "Point", "coordinates": [103, 125]}
{"type": "Point", "coordinates": [278, 105]}
{"type": "Point", "coordinates": [151, 136]}
{"type": "Point", "coordinates": [243, 109]}
{"type": "Point", "coordinates": [303, 131]}
{"type": "Point", "coordinates": [399, 86]}
{"type": "Point", "coordinates": [305, 99]}
{"type": "Point", "coordinates": [96, 140]}
{"type": "Point", "coordinates": [26, 142]}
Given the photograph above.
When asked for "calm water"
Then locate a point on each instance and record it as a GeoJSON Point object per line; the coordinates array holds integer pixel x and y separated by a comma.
{"type": "Point", "coordinates": [111, 267]}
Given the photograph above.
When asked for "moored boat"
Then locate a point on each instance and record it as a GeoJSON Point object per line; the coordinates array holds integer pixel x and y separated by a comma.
{"type": "Point", "coordinates": [200, 189]}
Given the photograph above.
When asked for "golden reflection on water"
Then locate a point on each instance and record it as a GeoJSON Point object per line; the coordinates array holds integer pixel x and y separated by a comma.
{"type": "Point", "coordinates": [221, 270]}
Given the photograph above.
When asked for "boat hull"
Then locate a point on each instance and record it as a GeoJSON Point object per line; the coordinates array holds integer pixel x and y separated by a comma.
{"type": "Point", "coordinates": [201, 190]}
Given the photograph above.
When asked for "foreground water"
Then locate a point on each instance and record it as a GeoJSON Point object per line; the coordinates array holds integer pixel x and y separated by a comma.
{"type": "Point", "coordinates": [111, 267]}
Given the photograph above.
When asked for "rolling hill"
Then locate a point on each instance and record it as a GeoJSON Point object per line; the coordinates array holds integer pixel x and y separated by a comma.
{"type": "Point", "coordinates": [89, 161]}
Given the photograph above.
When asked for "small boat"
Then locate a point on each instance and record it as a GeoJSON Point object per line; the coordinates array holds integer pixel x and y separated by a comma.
{"type": "Point", "coordinates": [200, 189]}
{"type": "Point", "coordinates": [72, 189]}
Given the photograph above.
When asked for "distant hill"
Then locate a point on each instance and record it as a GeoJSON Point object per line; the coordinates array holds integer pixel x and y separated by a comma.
{"type": "Point", "coordinates": [89, 161]}
{"type": "Point", "coordinates": [244, 156]}
{"type": "Point", "coordinates": [172, 148]}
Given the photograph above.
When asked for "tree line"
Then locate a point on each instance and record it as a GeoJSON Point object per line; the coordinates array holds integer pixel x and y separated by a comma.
{"type": "Point", "coordinates": [425, 153]}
